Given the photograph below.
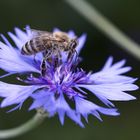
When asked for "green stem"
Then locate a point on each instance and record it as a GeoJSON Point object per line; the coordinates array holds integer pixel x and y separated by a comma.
{"type": "Point", "coordinates": [14, 132]}
{"type": "Point", "coordinates": [104, 25]}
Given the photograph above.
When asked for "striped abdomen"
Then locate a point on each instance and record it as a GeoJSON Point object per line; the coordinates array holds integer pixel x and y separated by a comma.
{"type": "Point", "coordinates": [33, 46]}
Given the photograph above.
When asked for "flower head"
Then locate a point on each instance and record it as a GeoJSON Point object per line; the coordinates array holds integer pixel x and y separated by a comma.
{"type": "Point", "coordinates": [65, 88]}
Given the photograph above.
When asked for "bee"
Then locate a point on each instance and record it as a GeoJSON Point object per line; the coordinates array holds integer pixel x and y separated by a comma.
{"type": "Point", "coordinates": [50, 44]}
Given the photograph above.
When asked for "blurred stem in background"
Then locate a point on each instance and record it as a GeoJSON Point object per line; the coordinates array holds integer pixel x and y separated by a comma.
{"type": "Point", "coordinates": [20, 130]}
{"type": "Point", "coordinates": [103, 24]}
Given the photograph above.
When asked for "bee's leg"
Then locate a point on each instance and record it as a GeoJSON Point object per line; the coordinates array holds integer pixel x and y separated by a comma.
{"type": "Point", "coordinates": [43, 66]}
{"type": "Point", "coordinates": [35, 59]}
{"type": "Point", "coordinates": [76, 55]}
{"type": "Point", "coordinates": [70, 55]}
{"type": "Point", "coordinates": [73, 57]}
{"type": "Point", "coordinates": [58, 60]}
{"type": "Point", "coordinates": [56, 57]}
{"type": "Point", "coordinates": [72, 45]}
{"type": "Point", "coordinates": [46, 57]}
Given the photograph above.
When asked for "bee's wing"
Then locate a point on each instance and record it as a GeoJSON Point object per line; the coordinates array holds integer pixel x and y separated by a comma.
{"type": "Point", "coordinates": [37, 33]}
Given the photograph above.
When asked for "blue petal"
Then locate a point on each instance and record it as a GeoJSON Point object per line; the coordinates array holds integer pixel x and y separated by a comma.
{"type": "Point", "coordinates": [47, 100]}
{"type": "Point", "coordinates": [15, 94]}
{"type": "Point", "coordinates": [109, 111]}
{"type": "Point", "coordinates": [109, 84]}
{"type": "Point", "coordinates": [28, 31]}
{"type": "Point", "coordinates": [85, 108]}
{"type": "Point", "coordinates": [109, 92]}
{"type": "Point", "coordinates": [21, 35]}
{"type": "Point", "coordinates": [105, 77]}
{"type": "Point", "coordinates": [6, 41]}
{"type": "Point", "coordinates": [82, 40]}
{"type": "Point", "coordinates": [44, 99]}
{"type": "Point", "coordinates": [115, 69]}
{"type": "Point", "coordinates": [20, 38]}
{"type": "Point", "coordinates": [12, 61]}
{"type": "Point", "coordinates": [63, 107]}
{"type": "Point", "coordinates": [56, 30]}
{"type": "Point", "coordinates": [108, 63]}
{"type": "Point", "coordinates": [71, 34]}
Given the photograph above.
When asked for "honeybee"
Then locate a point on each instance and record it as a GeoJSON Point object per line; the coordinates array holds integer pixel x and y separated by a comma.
{"type": "Point", "coordinates": [49, 44]}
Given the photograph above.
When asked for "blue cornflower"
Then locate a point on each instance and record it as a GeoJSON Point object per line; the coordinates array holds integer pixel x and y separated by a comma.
{"type": "Point", "coordinates": [65, 88]}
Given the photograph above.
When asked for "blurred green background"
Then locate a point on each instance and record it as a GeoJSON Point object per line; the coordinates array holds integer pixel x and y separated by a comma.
{"type": "Point", "coordinates": [47, 14]}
